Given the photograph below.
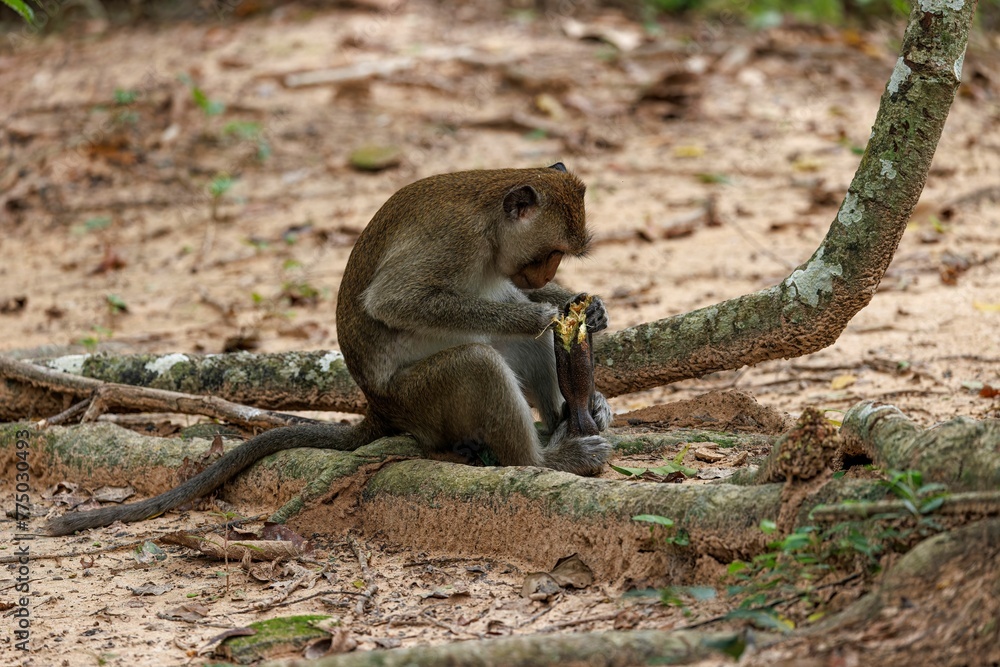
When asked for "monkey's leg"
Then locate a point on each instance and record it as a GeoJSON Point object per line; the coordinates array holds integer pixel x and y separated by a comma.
{"type": "Point", "coordinates": [469, 394]}
{"type": "Point", "coordinates": [534, 364]}
{"type": "Point", "coordinates": [465, 394]}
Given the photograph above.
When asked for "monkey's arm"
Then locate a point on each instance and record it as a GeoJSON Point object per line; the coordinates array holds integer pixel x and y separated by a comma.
{"type": "Point", "coordinates": [438, 308]}
{"type": "Point", "coordinates": [324, 436]}
{"type": "Point", "coordinates": [552, 293]}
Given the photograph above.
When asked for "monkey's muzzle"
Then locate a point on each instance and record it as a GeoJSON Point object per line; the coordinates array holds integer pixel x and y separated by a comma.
{"type": "Point", "coordinates": [538, 273]}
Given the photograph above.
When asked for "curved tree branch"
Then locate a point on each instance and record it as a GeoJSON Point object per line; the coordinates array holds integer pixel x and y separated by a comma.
{"type": "Point", "coordinates": [811, 307]}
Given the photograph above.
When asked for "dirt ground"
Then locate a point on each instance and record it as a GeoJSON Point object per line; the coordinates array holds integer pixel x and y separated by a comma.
{"type": "Point", "coordinates": [715, 159]}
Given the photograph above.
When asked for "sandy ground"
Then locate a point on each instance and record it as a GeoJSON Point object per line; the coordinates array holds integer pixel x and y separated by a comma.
{"type": "Point", "coordinates": [104, 200]}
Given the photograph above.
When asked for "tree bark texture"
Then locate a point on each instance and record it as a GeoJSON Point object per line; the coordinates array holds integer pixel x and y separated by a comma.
{"type": "Point", "coordinates": [596, 649]}
{"type": "Point", "coordinates": [293, 380]}
{"type": "Point", "coordinates": [528, 515]}
{"type": "Point", "coordinates": [962, 452]}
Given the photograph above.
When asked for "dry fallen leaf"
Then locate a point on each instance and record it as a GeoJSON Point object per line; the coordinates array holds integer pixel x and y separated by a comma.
{"type": "Point", "coordinates": [842, 381]}
{"type": "Point", "coordinates": [688, 151]}
{"type": "Point", "coordinates": [151, 589]}
{"type": "Point", "coordinates": [113, 494]}
{"type": "Point", "coordinates": [986, 307]}
{"type": "Point", "coordinates": [572, 572]}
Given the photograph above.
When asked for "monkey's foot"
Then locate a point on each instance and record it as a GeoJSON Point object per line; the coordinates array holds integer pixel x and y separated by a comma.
{"type": "Point", "coordinates": [581, 455]}
{"type": "Point", "coordinates": [601, 411]}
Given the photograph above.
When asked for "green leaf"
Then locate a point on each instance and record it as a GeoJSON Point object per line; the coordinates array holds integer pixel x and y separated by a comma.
{"type": "Point", "coordinates": [736, 566]}
{"type": "Point", "coordinates": [21, 8]}
{"type": "Point", "coordinates": [220, 185]}
{"type": "Point", "coordinates": [210, 107]}
{"type": "Point", "coordinates": [679, 459]}
{"type": "Point", "coordinates": [642, 593]}
{"type": "Point", "coordinates": [700, 593]}
{"type": "Point", "coordinates": [714, 178]}
{"type": "Point", "coordinates": [124, 96]}
{"type": "Point", "coordinates": [117, 303]}
{"type": "Point", "coordinates": [671, 467]}
{"type": "Point", "coordinates": [681, 539]}
{"type": "Point", "coordinates": [654, 518]}
{"type": "Point", "coordinates": [242, 129]}
{"type": "Point", "coordinates": [932, 505]}
{"type": "Point", "coordinates": [631, 472]}
{"type": "Point", "coordinates": [733, 646]}
{"type": "Point", "coordinates": [767, 526]}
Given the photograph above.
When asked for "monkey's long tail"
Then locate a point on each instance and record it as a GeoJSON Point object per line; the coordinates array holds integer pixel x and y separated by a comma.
{"type": "Point", "coordinates": [320, 436]}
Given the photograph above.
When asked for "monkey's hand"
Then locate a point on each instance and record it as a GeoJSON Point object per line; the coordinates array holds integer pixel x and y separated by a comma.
{"type": "Point", "coordinates": [601, 411]}
{"type": "Point", "coordinates": [597, 313]}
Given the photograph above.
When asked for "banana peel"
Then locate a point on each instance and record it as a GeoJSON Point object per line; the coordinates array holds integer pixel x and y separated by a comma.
{"type": "Point", "coordinates": [575, 366]}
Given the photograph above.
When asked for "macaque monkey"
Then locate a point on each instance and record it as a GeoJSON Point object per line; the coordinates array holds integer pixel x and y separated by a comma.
{"type": "Point", "coordinates": [443, 318]}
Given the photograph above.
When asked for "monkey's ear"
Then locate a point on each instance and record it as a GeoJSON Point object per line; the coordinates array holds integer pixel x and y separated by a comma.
{"type": "Point", "coordinates": [559, 166]}
{"type": "Point", "coordinates": [520, 202]}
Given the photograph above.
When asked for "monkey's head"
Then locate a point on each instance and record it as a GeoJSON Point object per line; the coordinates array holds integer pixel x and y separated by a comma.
{"type": "Point", "coordinates": [543, 221]}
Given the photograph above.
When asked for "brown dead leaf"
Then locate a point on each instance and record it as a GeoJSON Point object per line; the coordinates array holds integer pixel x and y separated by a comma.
{"type": "Point", "coordinates": [14, 304]}
{"type": "Point", "coordinates": [621, 37]}
{"type": "Point", "coordinates": [573, 572]}
{"type": "Point", "coordinates": [445, 592]}
{"type": "Point", "coordinates": [708, 455]}
{"type": "Point", "coordinates": [281, 533]}
{"type": "Point", "coordinates": [677, 94]}
{"type": "Point", "coordinates": [190, 612]}
{"type": "Point", "coordinates": [540, 586]}
{"type": "Point", "coordinates": [989, 391]}
{"type": "Point", "coordinates": [150, 588]}
{"type": "Point", "coordinates": [111, 261]}
{"type": "Point", "coordinates": [113, 494]}
{"type": "Point", "coordinates": [339, 641]}
{"type": "Point", "coordinates": [234, 632]}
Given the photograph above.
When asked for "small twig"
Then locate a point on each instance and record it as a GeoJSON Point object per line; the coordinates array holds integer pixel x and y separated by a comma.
{"type": "Point", "coordinates": [534, 617]}
{"type": "Point", "coordinates": [66, 415]}
{"type": "Point", "coordinates": [288, 603]}
{"type": "Point", "coordinates": [579, 621]}
{"type": "Point", "coordinates": [370, 589]}
{"type": "Point", "coordinates": [441, 624]}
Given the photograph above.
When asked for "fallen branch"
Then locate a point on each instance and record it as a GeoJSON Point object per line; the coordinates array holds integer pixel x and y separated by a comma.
{"type": "Point", "coordinates": [288, 381]}
{"type": "Point", "coordinates": [106, 396]}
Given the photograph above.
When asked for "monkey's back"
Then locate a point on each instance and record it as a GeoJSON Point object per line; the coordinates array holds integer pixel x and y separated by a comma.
{"type": "Point", "coordinates": [430, 235]}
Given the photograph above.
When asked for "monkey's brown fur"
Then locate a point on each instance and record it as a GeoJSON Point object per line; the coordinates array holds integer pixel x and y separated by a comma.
{"type": "Point", "coordinates": [439, 317]}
